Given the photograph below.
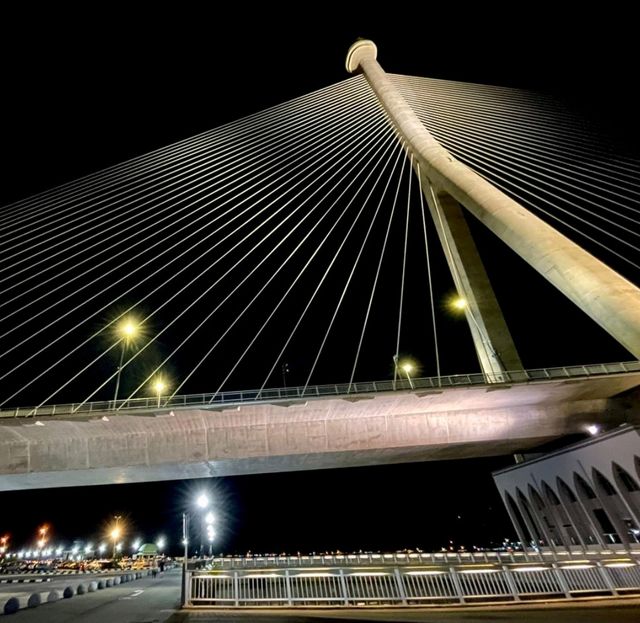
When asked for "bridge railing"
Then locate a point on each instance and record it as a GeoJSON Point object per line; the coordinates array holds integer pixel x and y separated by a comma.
{"type": "Point", "coordinates": [421, 558]}
{"type": "Point", "coordinates": [433, 383]}
{"type": "Point", "coordinates": [412, 585]}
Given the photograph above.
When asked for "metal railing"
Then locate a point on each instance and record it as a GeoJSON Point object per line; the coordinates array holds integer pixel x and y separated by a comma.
{"type": "Point", "coordinates": [417, 558]}
{"type": "Point", "coordinates": [228, 398]}
{"type": "Point", "coordinates": [412, 585]}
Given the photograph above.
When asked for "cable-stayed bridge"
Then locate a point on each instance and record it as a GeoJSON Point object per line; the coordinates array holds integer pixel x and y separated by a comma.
{"type": "Point", "coordinates": [300, 242]}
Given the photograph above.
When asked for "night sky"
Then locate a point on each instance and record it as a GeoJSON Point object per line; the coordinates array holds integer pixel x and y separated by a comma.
{"type": "Point", "coordinates": [83, 92]}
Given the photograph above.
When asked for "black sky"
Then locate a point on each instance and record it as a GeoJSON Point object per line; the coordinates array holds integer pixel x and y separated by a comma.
{"type": "Point", "coordinates": [84, 91]}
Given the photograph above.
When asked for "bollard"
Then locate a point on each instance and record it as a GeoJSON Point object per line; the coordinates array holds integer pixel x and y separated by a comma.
{"type": "Point", "coordinates": [54, 596]}
{"type": "Point", "coordinates": [34, 600]}
{"type": "Point", "coordinates": [12, 605]}
{"type": "Point", "coordinates": [109, 582]}
{"type": "Point", "coordinates": [68, 592]}
{"type": "Point", "coordinates": [100, 584]}
{"type": "Point", "coordinates": [93, 586]}
{"type": "Point", "coordinates": [81, 590]}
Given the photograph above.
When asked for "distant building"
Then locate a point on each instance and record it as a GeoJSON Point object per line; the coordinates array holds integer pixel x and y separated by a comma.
{"type": "Point", "coordinates": [584, 496]}
{"type": "Point", "coordinates": [148, 550]}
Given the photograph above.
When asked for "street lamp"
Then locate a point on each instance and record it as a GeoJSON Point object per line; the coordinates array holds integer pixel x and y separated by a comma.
{"type": "Point", "coordinates": [42, 536]}
{"type": "Point", "coordinates": [115, 534]}
{"type": "Point", "coordinates": [407, 367]}
{"type": "Point", "coordinates": [459, 303]}
{"type": "Point", "coordinates": [208, 520]}
{"type": "Point", "coordinates": [201, 502]}
{"type": "Point", "coordinates": [159, 385]}
{"type": "Point", "coordinates": [127, 331]}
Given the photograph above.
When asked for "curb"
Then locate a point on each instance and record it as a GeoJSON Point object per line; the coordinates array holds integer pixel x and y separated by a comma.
{"type": "Point", "coordinates": [13, 603]}
{"type": "Point", "coordinates": [25, 580]}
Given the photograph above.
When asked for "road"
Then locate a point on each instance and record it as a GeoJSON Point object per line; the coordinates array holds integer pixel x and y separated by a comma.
{"type": "Point", "coordinates": [145, 600]}
{"type": "Point", "coordinates": [620, 611]}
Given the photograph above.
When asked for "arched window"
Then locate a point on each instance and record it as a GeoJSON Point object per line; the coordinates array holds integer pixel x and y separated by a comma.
{"type": "Point", "coordinates": [537, 500]}
{"type": "Point", "coordinates": [530, 516]}
{"type": "Point", "coordinates": [583, 487]}
{"type": "Point", "coordinates": [624, 478]}
{"type": "Point", "coordinates": [551, 494]}
{"type": "Point", "coordinates": [603, 482]}
{"type": "Point", "coordinates": [566, 491]}
{"type": "Point", "coordinates": [513, 507]}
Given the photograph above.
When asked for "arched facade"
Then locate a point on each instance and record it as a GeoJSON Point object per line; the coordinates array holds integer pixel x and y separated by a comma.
{"type": "Point", "coordinates": [585, 496]}
{"type": "Point", "coordinates": [629, 489]}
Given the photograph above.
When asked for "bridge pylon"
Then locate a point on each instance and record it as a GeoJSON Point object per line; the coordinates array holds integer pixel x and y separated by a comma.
{"type": "Point", "coordinates": [605, 296]}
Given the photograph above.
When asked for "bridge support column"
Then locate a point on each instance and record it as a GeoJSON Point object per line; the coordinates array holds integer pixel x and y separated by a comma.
{"type": "Point", "coordinates": [605, 296]}
{"type": "Point", "coordinates": [491, 337]}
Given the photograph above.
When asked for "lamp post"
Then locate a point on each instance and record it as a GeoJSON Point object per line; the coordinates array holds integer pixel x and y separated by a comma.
{"type": "Point", "coordinates": [159, 385]}
{"type": "Point", "coordinates": [115, 534]}
{"type": "Point", "coordinates": [407, 367]}
{"type": "Point", "coordinates": [127, 331]}
{"type": "Point", "coordinates": [201, 502]}
{"type": "Point", "coordinates": [460, 304]}
{"type": "Point", "coordinates": [208, 520]}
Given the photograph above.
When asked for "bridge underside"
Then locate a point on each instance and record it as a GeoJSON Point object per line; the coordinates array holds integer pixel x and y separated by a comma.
{"type": "Point", "coordinates": [323, 433]}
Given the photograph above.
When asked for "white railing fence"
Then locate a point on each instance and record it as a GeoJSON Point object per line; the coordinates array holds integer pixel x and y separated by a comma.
{"type": "Point", "coordinates": [411, 586]}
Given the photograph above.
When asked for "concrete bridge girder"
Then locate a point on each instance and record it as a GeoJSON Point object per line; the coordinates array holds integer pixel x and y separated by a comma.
{"type": "Point", "coordinates": [320, 433]}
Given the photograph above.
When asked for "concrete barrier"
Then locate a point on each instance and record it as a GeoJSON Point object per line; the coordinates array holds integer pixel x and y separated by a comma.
{"type": "Point", "coordinates": [12, 604]}
{"type": "Point", "coordinates": [54, 595]}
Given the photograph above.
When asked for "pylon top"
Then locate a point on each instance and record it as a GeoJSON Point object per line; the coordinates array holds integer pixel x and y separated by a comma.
{"type": "Point", "coordinates": [361, 49]}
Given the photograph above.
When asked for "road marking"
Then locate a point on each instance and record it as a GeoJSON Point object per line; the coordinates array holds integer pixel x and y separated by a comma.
{"type": "Point", "coordinates": [132, 595]}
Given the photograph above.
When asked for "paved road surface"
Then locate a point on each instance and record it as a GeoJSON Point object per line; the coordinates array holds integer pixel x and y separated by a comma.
{"type": "Point", "coordinates": [593, 612]}
{"type": "Point", "coordinates": [142, 601]}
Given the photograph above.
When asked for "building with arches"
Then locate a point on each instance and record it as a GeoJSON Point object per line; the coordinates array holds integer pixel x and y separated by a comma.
{"type": "Point", "coordinates": [585, 496]}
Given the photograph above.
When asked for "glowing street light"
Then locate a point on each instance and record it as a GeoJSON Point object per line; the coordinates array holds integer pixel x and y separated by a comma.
{"type": "Point", "coordinates": [408, 368]}
{"type": "Point", "coordinates": [160, 543]}
{"type": "Point", "coordinates": [126, 331]}
{"type": "Point", "coordinates": [42, 536]}
{"type": "Point", "coordinates": [116, 532]}
{"type": "Point", "coordinates": [136, 545]}
{"type": "Point", "coordinates": [159, 386]}
{"type": "Point", "coordinates": [459, 303]}
{"type": "Point", "coordinates": [201, 502]}
{"type": "Point", "coordinates": [102, 548]}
